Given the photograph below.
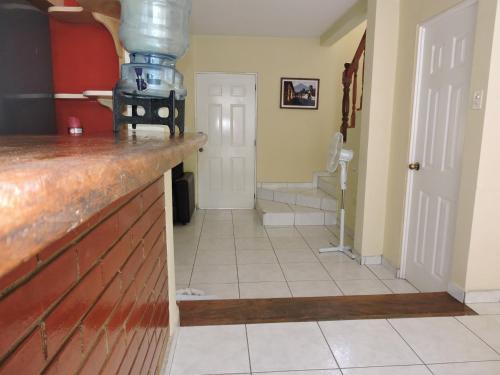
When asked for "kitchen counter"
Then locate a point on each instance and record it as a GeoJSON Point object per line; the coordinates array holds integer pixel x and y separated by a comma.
{"type": "Point", "coordinates": [50, 185]}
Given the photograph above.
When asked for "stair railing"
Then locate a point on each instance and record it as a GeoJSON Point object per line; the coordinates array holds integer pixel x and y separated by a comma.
{"type": "Point", "coordinates": [350, 77]}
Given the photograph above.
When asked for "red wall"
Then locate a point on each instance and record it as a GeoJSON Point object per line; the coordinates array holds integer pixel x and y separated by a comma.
{"type": "Point", "coordinates": [83, 58]}
{"type": "Point", "coordinates": [96, 300]}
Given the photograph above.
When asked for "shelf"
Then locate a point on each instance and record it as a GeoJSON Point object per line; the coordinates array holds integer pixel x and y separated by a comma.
{"type": "Point", "coordinates": [104, 97]}
{"type": "Point", "coordinates": [71, 14]}
{"type": "Point", "coordinates": [70, 96]}
{"type": "Point", "coordinates": [110, 8]}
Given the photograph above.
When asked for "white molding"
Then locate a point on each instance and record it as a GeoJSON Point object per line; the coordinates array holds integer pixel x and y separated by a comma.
{"type": "Point", "coordinates": [395, 271]}
{"type": "Point", "coordinates": [482, 296]}
{"type": "Point", "coordinates": [169, 354]}
{"type": "Point", "coordinates": [316, 176]}
{"type": "Point", "coordinates": [456, 292]}
{"type": "Point", "coordinates": [369, 260]}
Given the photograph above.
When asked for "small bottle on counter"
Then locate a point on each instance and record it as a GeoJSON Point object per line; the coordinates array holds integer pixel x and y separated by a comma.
{"type": "Point", "coordinates": [74, 126]}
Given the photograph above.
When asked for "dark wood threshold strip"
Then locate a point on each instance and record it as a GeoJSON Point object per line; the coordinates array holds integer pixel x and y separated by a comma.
{"type": "Point", "coordinates": [248, 311]}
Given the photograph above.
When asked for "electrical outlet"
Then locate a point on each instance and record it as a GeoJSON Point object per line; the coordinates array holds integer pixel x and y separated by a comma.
{"type": "Point", "coordinates": [477, 100]}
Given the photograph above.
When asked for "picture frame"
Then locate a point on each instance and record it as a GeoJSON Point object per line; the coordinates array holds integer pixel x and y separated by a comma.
{"type": "Point", "coordinates": [299, 93]}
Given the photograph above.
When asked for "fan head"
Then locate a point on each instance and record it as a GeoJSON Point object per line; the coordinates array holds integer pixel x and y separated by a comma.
{"type": "Point", "coordinates": [334, 152]}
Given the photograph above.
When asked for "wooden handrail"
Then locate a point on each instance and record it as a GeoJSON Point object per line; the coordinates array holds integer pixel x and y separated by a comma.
{"type": "Point", "coordinates": [350, 76]}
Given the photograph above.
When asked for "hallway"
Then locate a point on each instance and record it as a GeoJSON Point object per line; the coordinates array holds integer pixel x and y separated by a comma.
{"type": "Point", "coordinates": [419, 346]}
{"type": "Point", "coordinates": [228, 254]}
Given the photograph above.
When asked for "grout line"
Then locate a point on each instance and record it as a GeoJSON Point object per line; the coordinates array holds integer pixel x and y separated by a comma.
{"type": "Point", "coordinates": [236, 260]}
{"type": "Point", "coordinates": [279, 263]}
{"type": "Point", "coordinates": [406, 342]}
{"type": "Point", "coordinates": [248, 350]}
{"type": "Point", "coordinates": [475, 334]}
{"type": "Point", "coordinates": [197, 249]}
{"type": "Point", "coordinates": [319, 259]}
{"type": "Point", "coordinates": [327, 344]}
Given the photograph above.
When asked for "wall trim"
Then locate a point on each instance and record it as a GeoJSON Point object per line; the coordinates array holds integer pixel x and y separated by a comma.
{"type": "Point", "coordinates": [371, 260]}
{"type": "Point", "coordinates": [456, 292]}
{"type": "Point", "coordinates": [482, 296]}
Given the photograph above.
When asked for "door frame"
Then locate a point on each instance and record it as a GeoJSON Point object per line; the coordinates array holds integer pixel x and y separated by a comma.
{"type": "Point", "coordinates": [417, 79]}
{"type": "Point", "coordinates": [256, 125]}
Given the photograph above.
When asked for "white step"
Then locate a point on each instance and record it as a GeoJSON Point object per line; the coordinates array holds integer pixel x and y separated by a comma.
{"type": "Point", "coordinates": [329, 185]}
{"type": "Point", "coordinates": [305, 197]}
{"type": "Point", "coordinates": [283, 214]}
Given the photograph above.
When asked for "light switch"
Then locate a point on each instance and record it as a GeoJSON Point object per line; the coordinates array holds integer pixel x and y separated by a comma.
{"type": "Point", "coordinates": [477, 100]}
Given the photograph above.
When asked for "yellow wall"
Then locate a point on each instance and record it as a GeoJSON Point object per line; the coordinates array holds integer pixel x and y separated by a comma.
{"type": "Point", "coordinates": [476, 254]}
{"type": "Point", "coordinates": [381, 55]}
{"type": "Point", "coordinates": [291, 144]}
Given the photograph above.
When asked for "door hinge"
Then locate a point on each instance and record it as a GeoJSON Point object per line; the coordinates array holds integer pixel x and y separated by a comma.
{"type": "Point", "coordinates": [255, 143]}
{"type": "Point", "coordinates": [255, 87]}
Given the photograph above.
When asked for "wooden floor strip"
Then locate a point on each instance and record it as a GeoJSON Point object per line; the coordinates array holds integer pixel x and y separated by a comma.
{"type": "Point", "coordinates": [247, 311]}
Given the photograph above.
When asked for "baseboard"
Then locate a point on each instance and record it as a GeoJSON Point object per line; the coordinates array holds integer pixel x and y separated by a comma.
{"type": "Point", "coordinates": [370, 260]}
{"type": "Point", "coordinates": [456, 292]}
{"type": "Point", "coordinates": [317, 175]}
{"type": "Point", "coordinates": [395, 271]}
{"type": "Point", "coordinates": [482, 296]}
{"type": "Point", "coordinates": [284, 185]}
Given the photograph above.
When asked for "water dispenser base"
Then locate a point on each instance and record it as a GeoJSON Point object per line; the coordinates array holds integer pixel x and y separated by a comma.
{"type": "Point", "coordinates": [151, 107]}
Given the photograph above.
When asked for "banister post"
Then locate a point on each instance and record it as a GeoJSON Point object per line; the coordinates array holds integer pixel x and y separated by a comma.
{"type": "Point", "coordinates": [346, 82]}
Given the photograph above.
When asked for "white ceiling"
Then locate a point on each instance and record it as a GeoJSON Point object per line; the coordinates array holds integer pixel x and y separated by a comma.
{"type": "Point", "coordinates": [279, 18]}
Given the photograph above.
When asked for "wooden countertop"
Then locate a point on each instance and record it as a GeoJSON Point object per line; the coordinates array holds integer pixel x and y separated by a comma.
{"type": "Point", "coordinates": [51, 184]}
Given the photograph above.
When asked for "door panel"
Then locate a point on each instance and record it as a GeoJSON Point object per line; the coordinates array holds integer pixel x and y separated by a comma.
{"type": "Point", "coordinates": [445, 60]}
{"type": "Point", "coordinates": [226, 111]}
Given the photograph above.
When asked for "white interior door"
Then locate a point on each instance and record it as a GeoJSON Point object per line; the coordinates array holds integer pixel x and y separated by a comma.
{"type": "Point", "coordinates": [441, 100]}
{"type": "Point", "coordinates": [226, 111]}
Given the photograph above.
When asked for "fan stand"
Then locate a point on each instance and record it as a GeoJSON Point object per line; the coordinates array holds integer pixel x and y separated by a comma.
{"type": "Point", "coordinates": [341, 248]}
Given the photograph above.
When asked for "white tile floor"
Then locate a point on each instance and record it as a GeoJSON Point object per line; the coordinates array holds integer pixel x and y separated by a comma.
{"type": "Point", "coordinates": [229, 254]}
{"type": "Point", "coordinates": [419, 346]}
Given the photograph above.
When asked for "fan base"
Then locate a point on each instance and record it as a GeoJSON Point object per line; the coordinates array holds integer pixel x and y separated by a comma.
{"type": "Point", "coordinates": [339, 249]}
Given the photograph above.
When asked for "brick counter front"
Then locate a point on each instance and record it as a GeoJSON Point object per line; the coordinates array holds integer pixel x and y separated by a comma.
{"type": "Point", "coordinates": [96, 301]}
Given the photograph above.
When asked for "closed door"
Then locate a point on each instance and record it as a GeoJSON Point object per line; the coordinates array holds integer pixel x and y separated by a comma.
{"type": "Point", "coordinates": [441, 101]}
{"type": "Point", "coordinates": [226, 112]}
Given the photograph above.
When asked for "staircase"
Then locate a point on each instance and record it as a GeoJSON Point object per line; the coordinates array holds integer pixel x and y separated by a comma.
{"type": "Point", "coordinates": [283, 205]}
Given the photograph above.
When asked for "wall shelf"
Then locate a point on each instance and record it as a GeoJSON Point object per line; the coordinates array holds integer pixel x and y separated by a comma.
{"type": "Point", "coordinates": [103, 97]}
{"type": "Point", "coordinates": [71, 14]}
{"type": "Point", "coordinates": [111, 8]}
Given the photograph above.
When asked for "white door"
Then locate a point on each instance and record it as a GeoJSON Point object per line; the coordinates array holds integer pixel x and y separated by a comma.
{"type": "Point", "coordinates": [441, 101]}
{"type": "Point", "coordinates": [226, 112]}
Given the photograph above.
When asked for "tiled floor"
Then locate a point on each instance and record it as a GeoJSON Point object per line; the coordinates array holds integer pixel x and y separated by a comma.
{"type": "Point", "coordinates": [229, 254]}
{"type": "Point", "coordinates": [420, 346]}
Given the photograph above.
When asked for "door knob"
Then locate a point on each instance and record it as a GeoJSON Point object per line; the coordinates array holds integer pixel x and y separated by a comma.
{"type": "Point", "coordinates": [414, 166]}
{"type": "Point", "coordinates": [201, 149]}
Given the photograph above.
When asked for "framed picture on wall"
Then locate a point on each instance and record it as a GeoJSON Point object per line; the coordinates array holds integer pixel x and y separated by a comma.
{"type": "Point", "coordinates": [299, 93]}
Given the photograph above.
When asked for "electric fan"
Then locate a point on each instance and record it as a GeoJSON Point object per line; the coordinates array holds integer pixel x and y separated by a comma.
{"type": "Point", "coordinates": [339, 156]}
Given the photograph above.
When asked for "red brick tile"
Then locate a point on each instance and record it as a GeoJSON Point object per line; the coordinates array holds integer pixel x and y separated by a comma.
{"type": "Point", "coordinates": [141, 355]}
{"type": "Point", "coordinates": [120, 314]}
{"type": "Point", "coordinates": [152, 236]}
{"type": "Point", "coordinates": [102, 310]}
{"type": "Point", "coordinates": [95, 360]}
{"type": "Point", "coordinates": [116, 356]}
{"type": "Point", "coordinates": [129, 270]}
{"type": "Point", "coordinates": [70, 356]}
{"type": "Point", "coordinates": [159, 355]}
{"type": "Point", "coordinates": [68, 313]}
{"type": "Point", "coordinates": [21, 270]}
{"type": "Point", "coordinates": [28, 358]}
{"type": "Point", "coordinates": [94, 244]}
{"type": "Point", "coordinates": [21, 308]}
{"type": "Point", "coordinates": [115, 259]}
{"type": "Point", "coordinates": [130, 355]}
{"type": "Point", "coordinates": [129, 214]}
{"type": "Point", "coordinates": [153, 346]}
{"type": "Point", "coordinates": [153, 192]}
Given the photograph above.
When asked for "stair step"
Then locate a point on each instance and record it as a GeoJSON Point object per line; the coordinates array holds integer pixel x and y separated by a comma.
{"type": "Point", "coordinates": [306, 197]}
{"type": "Point", "coordinates": [329, 185]}
{"type": "Point", "coordinates": [283, 214]}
